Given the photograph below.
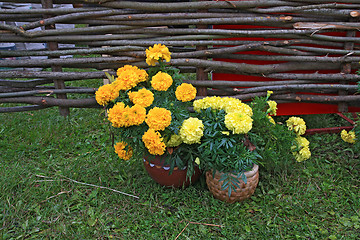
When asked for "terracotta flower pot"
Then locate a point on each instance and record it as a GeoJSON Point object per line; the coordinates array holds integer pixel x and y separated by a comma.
{"type": "Point", "coordinates": [159, 172]}
{"type": "Point", "coordinates": [245, 191]}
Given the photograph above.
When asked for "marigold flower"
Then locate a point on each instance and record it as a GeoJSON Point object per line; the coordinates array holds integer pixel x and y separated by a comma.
{"type": "Point", "coordinates": [143, 97]}
{"type": "Point", "coordinates": [157, 52]}
{"type": "Point", "coordinates": [271, 119]}
{"type": "Point", "coordinates": [185, 92]}
{"type": "Point", "coordinates": [128, 77]}
{"type": "Point", "coordinates": [161, 81]}
{"type": "Point", "coordinates": [238, 123]}
{"type": "Point", "coordinates": [158, 118]}
{"type": "Point", "coordinates": [120, 149]}
{"type": "Point", "coordinates": [272, 107]}
{"type": "Point", "coordinates": [197, 161]}
{"type": "Point", "coordinates": [348, 137]}
{"type": "Point", "coordinates": [126, 81]}
{"type": "Point", "coordinates": [297, 125]}
{"type": "Point", "coordinates": [142, 74]}
{"type": "Point", "coordinates": [119, 115]}
{"type": "Point", "coordinates": [174, 141]}
{"type": "Point", "coordinates": [105, 94]}
{"type": "Point", "coordinates": [304, 151]}
{"type": "Point", "coordinates": [137, 114]}
{"type": "Point", "coordinates": [235, 105]}
{"type": "Point", "coordinates": [204, 103]}
{"type": "Point", "coordinates": [191, 130]}
{"type": "Point", "coordinates": [303, 154]}
{"type": "Point", "coordinates": [154, 142]}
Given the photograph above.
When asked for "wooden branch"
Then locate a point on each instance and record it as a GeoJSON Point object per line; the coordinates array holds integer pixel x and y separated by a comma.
{"type": "Point", "coordinates": [68, 62]}
{"type": "Point", "coordinates": [21, 108]}
{"type": "Point", "coordinates": [299, 87]}
{"type": "Point", "coordinates": [48, 92]}
{"type": "Point", "coordinates": [170, 7]}
{"type": "Point", "coordinates": [343, 59]}
{"type": "Point", "coordinates": [329, 25]}
{"type": "Point", "coordinates": [51, 102]}
{"type": "Point", "coordinates": [316, 98]}
{"type": "Point", "coordinates": [248, 69]}
{"type": "Point", "coordinates": [70, 76]}
{"type": "Point", "coordinates": [315, 76]}
{"type": "Point", "coordinates": [244, 83]}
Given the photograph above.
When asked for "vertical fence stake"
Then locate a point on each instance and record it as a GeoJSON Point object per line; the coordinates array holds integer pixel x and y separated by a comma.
{"type": "Point", "coordinates": [346, 69]}
{"type": "Point", "coordinates": [52, 46]}
{"type": "Point", "coordinates": [201, 75]}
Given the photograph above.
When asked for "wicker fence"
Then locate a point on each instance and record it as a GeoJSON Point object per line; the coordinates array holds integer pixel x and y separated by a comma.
{"type": "Point", "coordinates": [294, 46]}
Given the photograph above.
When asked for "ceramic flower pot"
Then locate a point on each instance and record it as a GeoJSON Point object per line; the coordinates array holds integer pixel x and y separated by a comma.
{"type": "Point", "coordinates": [245, 191]}
{"type": "Point", "coordinates": [160, 173]}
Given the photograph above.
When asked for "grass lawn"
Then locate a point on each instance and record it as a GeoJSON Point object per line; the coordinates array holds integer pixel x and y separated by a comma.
{"type": "Point", "coordinates": [46, 161]}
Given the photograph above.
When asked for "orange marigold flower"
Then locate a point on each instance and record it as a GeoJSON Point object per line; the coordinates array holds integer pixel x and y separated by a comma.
{"type": "Point", "coordinates": [137, 114]}
{"type": "Point", "coordinates": [185, 92]}
{"type": "Point", "coordinates": [105, 94]}
{"type": "Point", "coordinates": [158, 118]}
{"type": "Point", "coordinates": [161, 81]}
{"type": "Point", "coordinates": [120, 149]}
{"type": "Point", "coordinates": [143, 97]}
{"type": "Point", "coordinates": [119, 115]}
{"type": "Point", "coordinates": [158, 51]}
{"type": "Point", "coordinates": [128, 77]}
{"type": "Point", "coordinates": [154, 142]}
{"type": "Point", "coordinates": [126, 80]}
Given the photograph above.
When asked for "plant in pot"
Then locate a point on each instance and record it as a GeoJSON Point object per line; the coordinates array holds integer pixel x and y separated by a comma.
{"type": "Point", "coordinates": [235, 138]}
{"type": "Point", "coordinates": [146, 109]}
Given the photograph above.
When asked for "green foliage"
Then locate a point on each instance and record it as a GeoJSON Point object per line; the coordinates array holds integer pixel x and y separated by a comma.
{"type": "Point", "coordinates": [273, 141]}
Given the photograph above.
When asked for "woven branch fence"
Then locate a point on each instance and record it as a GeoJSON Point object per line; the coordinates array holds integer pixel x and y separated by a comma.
{"type": "Point", "coordinates": [309, 46]}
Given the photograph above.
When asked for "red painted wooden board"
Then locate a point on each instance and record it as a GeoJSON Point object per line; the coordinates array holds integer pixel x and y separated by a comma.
{"type": "Point", "coordinates": [297, 108]}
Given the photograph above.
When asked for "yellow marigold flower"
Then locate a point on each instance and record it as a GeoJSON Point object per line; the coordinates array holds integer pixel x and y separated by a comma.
{"type": "Point", "coordinates": [271, 119]}
{"type": "Point", "coordinates": [105, 94]}
{"type": "Point", "coordinates": [297, 125]}
{"type": "Point", "coordinates": [197, 161]}
{"type": "Point", "coordinates": [158, 118]}
{"type": "Point", "coordinates": [302, 142]}
{"type": "Point", "coordinates": [191, 130]}
{"type": "Point", "coordinates": [137, 114]}
{"type": "Point", "coordinates": [303, 154]}
{"type": "Point", "coordinates": [120, 149]}
{"type": "Point", "coordinates": [204, 103]}
{"type": "Point", "coordinates": [185, 92]}
{"type": "Point", "coordinates": [119, 115]}
{"type": "Point", "coordinates": [235, 105]}
{"type": "Point", "coordinates": [157, 52]}
{"type": "Point", "coordinates": [143, 97]}
{"type": "Point", "coordinates": [226, 133]}
{"type": "Point", "coordinates": [304, 151]}
{"type": "Point", "coordinates": [174, 141]}
{"type": "Point", "coordinates": [269, 93]}
{"type": "Point", "coordinates": [238, 123]}
{"type": "Point", "coordinates": [272, 107]}
{"type": "Point", "coordinates": [348, 137]}
{"type": "Point", "coordinates": [161, 81]}
{"type": "Point", "coordinates": [154, 142]}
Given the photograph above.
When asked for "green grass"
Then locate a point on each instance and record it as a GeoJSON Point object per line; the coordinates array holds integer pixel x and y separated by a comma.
{"type": "Point", "coordinates": [41, 151]}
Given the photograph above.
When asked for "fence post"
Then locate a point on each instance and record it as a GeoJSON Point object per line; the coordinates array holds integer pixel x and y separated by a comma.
{"type": "Point", "coordinates": [53, 46]}
{"type": "Point", "coordinates": [201, 74]}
